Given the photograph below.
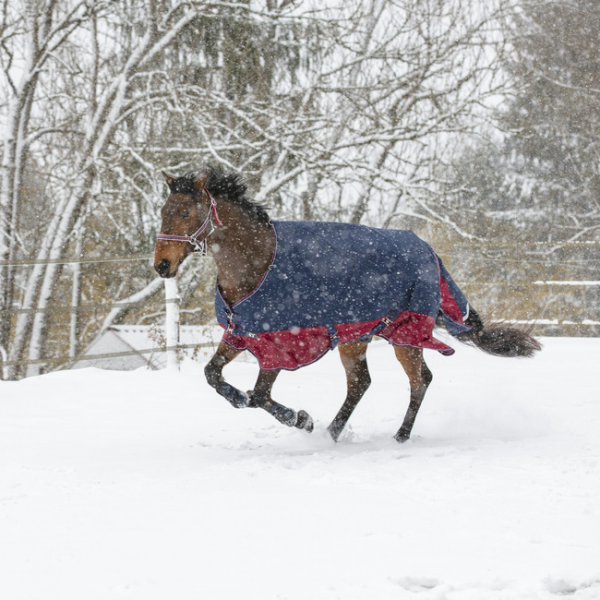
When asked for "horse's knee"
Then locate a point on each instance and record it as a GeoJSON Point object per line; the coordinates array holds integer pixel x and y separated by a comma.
{"type": "Point", "coordinates": [426, 374]}
{"type": "Point", "coordinates": [220, 359]}
{"type": "Point", "coordinates": [364, 380]}
{"type": "Point", "coordinates": [358, 381]}
{"type": "Point", "coordinates": [213, 374]}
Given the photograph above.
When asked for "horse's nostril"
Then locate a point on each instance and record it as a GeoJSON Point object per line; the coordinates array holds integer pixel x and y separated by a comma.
{"type": "Point", "coordinates": [163, 267]}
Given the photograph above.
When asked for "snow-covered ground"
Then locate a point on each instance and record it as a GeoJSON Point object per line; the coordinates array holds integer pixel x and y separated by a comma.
{"type": "Point", "coordinates": [147, 485]}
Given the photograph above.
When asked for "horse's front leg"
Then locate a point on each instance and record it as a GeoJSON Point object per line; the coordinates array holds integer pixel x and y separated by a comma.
{"type": "Point", "coordinates": [214, 375]}
{"type": "Point", "coordinates": [260, 397]}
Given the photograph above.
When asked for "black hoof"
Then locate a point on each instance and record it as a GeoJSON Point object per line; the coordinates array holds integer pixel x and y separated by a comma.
{"type": "Point", "coordinates": [402, 437]}
{"type": "Point", "coordinates": [284, 415]}
{"type": "Point", "coordinates": [305, 421]}
{"type": "Point", "coordinates": [334, 433]}
{"type": "Point", "coordinates": [235, 397]}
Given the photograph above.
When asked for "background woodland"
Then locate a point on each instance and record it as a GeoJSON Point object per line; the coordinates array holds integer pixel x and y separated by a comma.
{"type": "Point", "coordinates": [474, 122]}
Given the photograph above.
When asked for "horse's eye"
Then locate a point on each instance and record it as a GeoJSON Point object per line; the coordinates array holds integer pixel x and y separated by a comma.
{"type": "Point", "coordinates": [185, 214]}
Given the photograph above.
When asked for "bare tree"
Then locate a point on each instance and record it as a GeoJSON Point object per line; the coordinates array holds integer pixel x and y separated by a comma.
{"type": "Point", "coordinates": [88, 70]}
{"type": "Point", "coordinates": [382, 90]}
{"type": "Point", "coordinates": [336, 112]}
{"type": "Point", "coordinates": [31, 34]}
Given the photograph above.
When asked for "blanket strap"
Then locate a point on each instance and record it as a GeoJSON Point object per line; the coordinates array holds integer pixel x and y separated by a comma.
{"type": "Point", "coordinates": [385, 322]}
{"type": "Point", "coordinates": [234, 329]}
{"type": "Point", "coordinates": [334, 337]}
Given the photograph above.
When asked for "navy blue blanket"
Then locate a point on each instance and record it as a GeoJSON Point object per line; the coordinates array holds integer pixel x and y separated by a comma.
{"type": "Point", "coordinates": [327, 275]}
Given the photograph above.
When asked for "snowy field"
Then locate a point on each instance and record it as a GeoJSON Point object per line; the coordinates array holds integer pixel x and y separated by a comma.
{"type": "Point", "coordinates": [149, 486]}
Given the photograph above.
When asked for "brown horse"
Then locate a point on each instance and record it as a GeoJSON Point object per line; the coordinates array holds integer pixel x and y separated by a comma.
{"type": "Point", "coordinates": [209, 212]}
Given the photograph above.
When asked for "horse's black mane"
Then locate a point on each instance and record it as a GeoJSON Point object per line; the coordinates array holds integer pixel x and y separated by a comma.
{"type": "Point", "coordinates": [229, 186]}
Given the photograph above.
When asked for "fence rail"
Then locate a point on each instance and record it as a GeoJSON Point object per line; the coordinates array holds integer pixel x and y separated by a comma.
{"type": "Point", "coordinates": [69, 360]}
{"type": "Point", "coordinates": [73, 261]}
{"type": "Point", "coordinates": [87, 307]}
{"type": "Point", "coordinates": [91, 307]}
{"type": "Point", "coordinates": [584, 325]}
{"type": "Point", "coordinates": [65, 361]}
{"type": "Point", "coordinates": [148, 256]}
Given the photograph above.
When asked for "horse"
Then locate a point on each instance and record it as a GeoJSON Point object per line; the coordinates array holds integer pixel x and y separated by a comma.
{"type": "Point", "coordinates": [291, 291]}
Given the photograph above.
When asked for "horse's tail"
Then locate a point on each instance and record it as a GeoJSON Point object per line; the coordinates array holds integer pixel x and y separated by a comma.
{"type": "Point", "coordinates": [498, 339]}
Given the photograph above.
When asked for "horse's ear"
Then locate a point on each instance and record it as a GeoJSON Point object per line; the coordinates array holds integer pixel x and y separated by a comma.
{"type": "Point", "coordinates": [168, 179]}
{"type": "Point", "coordinates": [200, 182]}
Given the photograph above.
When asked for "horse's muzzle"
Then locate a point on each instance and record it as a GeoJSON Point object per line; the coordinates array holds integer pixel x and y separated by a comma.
{"type": "Point", "coordinates": [163, 268]}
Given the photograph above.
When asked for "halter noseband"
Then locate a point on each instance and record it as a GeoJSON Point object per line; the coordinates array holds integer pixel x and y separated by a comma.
{"type": "Point", "coordinates": [198, 246]}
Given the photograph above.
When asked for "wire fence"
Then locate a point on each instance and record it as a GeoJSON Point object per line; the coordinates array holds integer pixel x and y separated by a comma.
{"type": "Point", "coordinates": [566, 325]}
{"type": "Point", "coordinates": [74, 260]}
{"type": "Point", "coordinates": [81, 308]}
{"type": "Point", "coordinates": [66, 361]}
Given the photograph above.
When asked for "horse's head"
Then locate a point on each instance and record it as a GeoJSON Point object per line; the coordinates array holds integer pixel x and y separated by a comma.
{"type": "Point", "coordinates": [186, 217]}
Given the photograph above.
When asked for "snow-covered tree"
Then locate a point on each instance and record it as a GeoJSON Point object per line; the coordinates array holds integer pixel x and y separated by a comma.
{"type": "Point", "coordinates": [335, 111]}
{"type": "Point", "coordinates": [529, 193]}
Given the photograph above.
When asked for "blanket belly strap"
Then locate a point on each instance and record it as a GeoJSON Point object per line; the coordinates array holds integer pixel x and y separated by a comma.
{"type": "Point", "coordinates": [239, 332]}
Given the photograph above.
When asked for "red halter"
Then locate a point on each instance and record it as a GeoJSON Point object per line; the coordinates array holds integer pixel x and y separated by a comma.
{"type": "Point", "coordinates": [199, 246]}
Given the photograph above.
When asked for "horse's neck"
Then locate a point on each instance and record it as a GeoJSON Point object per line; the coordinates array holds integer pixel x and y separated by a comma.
{"type": "Point", "coordinates": [242, 250]}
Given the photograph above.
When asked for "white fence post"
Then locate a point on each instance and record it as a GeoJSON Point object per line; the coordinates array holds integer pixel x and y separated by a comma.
{"type": "Point", "coordinates": [172, 322]}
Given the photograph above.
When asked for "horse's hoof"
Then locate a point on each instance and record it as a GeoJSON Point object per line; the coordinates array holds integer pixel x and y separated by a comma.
{"type": "Point", "coordinates": [284, 415]}
{"type": "Point", "coordinates": [402, 437]}
{"type": "Point", "coordinates": [241, 400]}
{"type": "Point", "coordinates": [305, 421]}
{"type": "Point", "coordinates": [334, 433]}
{"type": "Point", "coordinates": [235, 397]}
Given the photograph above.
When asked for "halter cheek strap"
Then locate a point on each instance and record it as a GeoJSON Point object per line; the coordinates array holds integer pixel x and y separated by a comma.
{"type": "Point", "coordinates": [199, 245]}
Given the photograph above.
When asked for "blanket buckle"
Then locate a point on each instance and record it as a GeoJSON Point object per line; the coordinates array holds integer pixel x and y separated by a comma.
{"type": "Point", "coordinates": [230, 324]}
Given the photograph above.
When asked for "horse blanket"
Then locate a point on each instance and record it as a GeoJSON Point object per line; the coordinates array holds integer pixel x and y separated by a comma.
{"type": "Point", "coordinates": [331, 283]}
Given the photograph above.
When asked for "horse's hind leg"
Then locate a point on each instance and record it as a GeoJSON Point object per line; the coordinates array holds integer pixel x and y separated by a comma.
{"type": "Point", "coordinates": [354, 359]}
{"type": "Point", "coordinates": [260, 397]}
{"type": "Point", "coordinates": [419, 377]}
